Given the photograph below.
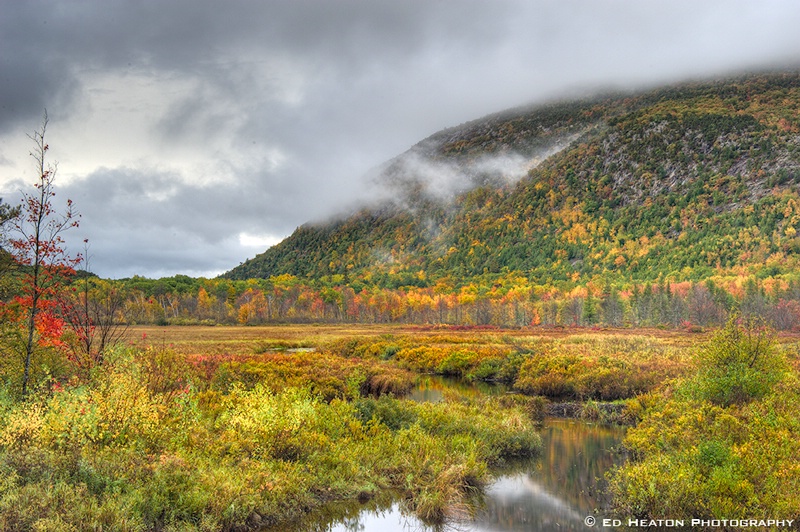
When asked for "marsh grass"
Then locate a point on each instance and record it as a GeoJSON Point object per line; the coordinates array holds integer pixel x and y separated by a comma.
{"type": "Point", "coordinates": [601, 367]}
{"type": "Point", "coordinates": [720, 443]}
{"type": "Point", "coordinates": [145, 443]}
{"type": "Point", "coordinates": [605, 367]}
{"type": "Point", "coordinates": [222, 428]}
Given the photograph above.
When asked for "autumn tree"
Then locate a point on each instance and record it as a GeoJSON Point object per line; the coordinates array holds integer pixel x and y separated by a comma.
{"type": "Point", "coordinates": [39, 248]}
{"type": "Point", "coordinates": [91, 308]}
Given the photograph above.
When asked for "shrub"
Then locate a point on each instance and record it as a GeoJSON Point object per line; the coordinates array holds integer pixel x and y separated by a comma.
{"type": "Point", "coordinates": [394, 414]}
{"type": "Point", "coordinates": [510, 366]}
{"type": "Point", "coordinates": [486, 370]}
{"type": "Point", "coordinates": [133, 448]}
{"type": "Point", "coordinates": [456, 363]}
{"type": "Point", "coordinates": [263, 424]}
{"type": "Point", "coordinates": [718, 444]}
{"type": "Point", "coordinates": [603, 368]}
{"type": "Point", "coordinates": [739, 364]}
{"type": "Point", "coordinates": [551, 376]}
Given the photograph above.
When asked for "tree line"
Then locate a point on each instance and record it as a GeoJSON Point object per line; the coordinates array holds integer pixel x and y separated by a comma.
{"type": "Point", "coordinates": [510, 301]}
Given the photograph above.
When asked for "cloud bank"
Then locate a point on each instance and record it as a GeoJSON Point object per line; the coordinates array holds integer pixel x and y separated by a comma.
{"type": "Point", "coordinates": [190, 132]}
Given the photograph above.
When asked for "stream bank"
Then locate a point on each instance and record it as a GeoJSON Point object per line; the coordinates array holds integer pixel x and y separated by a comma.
{"type": "Point", "coordinates": [556, 491]}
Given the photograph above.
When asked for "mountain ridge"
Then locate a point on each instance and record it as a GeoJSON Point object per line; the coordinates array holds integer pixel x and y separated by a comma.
{"type": "Point", "coordinates": [677, 183]}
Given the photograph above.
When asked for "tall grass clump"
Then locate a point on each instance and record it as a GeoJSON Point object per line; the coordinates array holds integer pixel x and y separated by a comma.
{"type": "Point", "coordinates": [447, 448]}
{"type": "Point", "coordinates": [329, 376]}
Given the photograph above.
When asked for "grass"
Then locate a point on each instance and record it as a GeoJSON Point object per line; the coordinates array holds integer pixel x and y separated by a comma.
{"type": "Point", "coordinates": [605, 366]}
{"type": "Point", "coordinates": [600, 365]}
{"type": "Point", "coordinates": [110, 455]}
{"type": "Point", "coordinates": [223, 428]}
{"type": "Point", "coordinates": [189, 435]}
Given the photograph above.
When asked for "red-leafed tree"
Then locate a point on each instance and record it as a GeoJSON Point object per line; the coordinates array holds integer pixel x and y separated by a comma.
{"type": "Point", "coordinates": [38, 247]}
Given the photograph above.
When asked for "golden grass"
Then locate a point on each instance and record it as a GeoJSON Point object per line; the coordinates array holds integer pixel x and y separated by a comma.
{"type": "Point", "coordinates": [600, 363]}
{"type": "Point", "coordinates": [244, 340]}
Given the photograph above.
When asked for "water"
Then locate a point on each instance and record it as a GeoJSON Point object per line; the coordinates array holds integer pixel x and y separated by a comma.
{"type": "Point", "coordinates": [432, 389]}
{"type": "Point", "coordinates": [556, 492]}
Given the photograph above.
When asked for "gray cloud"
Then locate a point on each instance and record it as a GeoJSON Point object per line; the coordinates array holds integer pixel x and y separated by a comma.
{"type": "Point", "coordinates": [181, 125]}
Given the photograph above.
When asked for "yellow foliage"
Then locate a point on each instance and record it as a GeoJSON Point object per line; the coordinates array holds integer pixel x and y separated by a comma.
{"type": "Point", "coordinates": [22, 426]}
{"type": "Point", "coordinates": [575, 234]}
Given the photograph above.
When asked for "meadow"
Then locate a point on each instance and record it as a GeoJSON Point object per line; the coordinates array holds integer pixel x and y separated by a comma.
{"type": "Point", "coordinates": [240, 428]}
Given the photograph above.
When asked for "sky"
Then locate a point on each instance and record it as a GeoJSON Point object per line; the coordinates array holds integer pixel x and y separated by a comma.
{"type": "Point", "coordinates": [193, 134]}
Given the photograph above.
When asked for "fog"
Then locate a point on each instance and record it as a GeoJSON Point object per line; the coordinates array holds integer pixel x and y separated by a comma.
{"type": "Point", "coordinates": [192, 134]}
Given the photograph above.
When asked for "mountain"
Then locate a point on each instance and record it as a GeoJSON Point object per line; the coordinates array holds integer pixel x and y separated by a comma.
{"type": "Point", "coordinates": [677, 183]}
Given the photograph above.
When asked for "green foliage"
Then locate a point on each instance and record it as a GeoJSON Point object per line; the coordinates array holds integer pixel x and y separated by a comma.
{"type": "Point", "coordinates": [456, 363]}
{"type": "Point", "coordinates": [510, 367]}
{"type": "Point", "coordinates": [720, 443]}
{"type": "Point", "coordinates": [260, 424]}
{"type": "Point", "coordinates": [713, 454]}
{"type": "Point", "coordinates": [488, 369]}
{"type": "Point", "coordinates": [393, 414]}
{"type": "Point", "coordinates": [739, 364]}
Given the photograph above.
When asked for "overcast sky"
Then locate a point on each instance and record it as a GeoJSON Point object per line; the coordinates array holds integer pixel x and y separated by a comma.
{"type": "Point", "coordinates": [193, 134]}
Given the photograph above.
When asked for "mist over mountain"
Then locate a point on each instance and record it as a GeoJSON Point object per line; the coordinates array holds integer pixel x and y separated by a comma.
{"type": "Point", "coordinates": [679, 183]}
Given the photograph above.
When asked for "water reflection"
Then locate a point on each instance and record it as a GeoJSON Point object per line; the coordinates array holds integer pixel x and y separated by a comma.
{"type": "Point", "coordinates": [555, 493]}
{"type": "Point", "coordinates": [520, 503]}
{"type": "Point", "coordinates": [563, 489]}
{"type": "Point", "coordinates": [433, 389]}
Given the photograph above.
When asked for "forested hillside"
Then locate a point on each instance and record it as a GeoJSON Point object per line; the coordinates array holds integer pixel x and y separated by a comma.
{"type": "Point", "coordinates": [675, 207]}
{"type": "Point", "coordinates": [675, 184]}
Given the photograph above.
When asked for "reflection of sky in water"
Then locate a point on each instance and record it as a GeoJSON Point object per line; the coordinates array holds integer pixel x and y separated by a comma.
{"type": "Point", "coordinates": [557, 494]}
{"type": "Point", "coordinates": [392, 520]}
{"type": "Point", "coordinates": [520, 503]}
{"type": "Point", "coordinates": [432, 389]}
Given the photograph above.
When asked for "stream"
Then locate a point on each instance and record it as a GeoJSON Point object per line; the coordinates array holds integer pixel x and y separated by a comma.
{"type": "Point", "coordinates": [554, 492]}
